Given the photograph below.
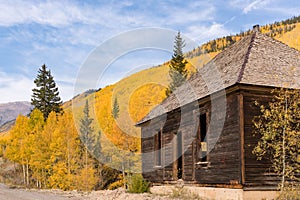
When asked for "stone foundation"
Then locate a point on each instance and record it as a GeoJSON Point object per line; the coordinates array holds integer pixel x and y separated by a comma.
{"type": "Point", "coordinates": [214, 193]}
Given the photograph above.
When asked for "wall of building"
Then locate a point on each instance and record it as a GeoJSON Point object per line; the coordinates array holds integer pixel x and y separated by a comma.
{"type": "Point", "coordinates": [224, 163]}
{"type": "Point", "coordinates": [258, 173]}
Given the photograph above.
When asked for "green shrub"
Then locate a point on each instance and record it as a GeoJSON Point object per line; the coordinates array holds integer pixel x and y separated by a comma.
{"type": "Point", "coordinates": [137, 184]}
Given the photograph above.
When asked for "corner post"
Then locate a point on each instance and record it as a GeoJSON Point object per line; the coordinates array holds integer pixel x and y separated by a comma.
{"type": "Point", "coordinates": [242, 136]}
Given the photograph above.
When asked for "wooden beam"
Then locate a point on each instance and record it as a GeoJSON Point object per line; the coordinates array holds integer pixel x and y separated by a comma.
{"type": "Point", "coordinates": [242, 136]}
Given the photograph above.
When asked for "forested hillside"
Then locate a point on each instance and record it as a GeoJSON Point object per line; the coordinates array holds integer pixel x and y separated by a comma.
{"type": "Point", "coordinates": [50, 153]}
{"type": "Point", "coordinates": [140, 92]}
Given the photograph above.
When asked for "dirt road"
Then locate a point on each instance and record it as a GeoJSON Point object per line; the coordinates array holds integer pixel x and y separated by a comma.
{"type": "Point", "coordinates": [21, 194]}
{"type": "Point", "coordinates": [7, 193]}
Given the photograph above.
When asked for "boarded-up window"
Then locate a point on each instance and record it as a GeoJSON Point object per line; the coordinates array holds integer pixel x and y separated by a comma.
{"type": "Point", "coordinates": [202, 139]}
{"type": "Point", "coordinates": [157, 148]}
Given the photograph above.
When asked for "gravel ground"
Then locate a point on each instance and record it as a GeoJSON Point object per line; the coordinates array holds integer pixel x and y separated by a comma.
{"type": "Point", "coordinates": [7, 193]}
{"type": "Point", "coordinates": [14, 194]}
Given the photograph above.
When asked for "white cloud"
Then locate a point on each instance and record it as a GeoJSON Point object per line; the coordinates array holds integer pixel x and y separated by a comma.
{"type": "Point", "coordinates": [257, 4]}
{"type": "Point", "coordinates": [63, 32]}
{"type": "Point", "coordinates": [189, 15]}
{"type": "Point", "coordinates": [202, 34]}
{"type": "Point", "coordinates": [15, 87]}
{"type": "Point", "coordinates": [90, 24]}
{"type": "Point", "coordinates": [65, 13]}
{"type": "Point", "coordinates": [50, 13]}
{"type": "Point", "coordinates": [189, 12]}
{"type": "Point", "coordinates": [248, 5]}
{"type": "Point", "coordinates": [66, 90]}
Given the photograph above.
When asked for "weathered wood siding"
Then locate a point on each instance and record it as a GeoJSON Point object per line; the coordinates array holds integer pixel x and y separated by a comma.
{"type": "Point", "coordinates": [150, 171]}
{"type": "Point", "coordinates": [258, 173]}
{"type": "Point", "coordinates": [224, 159]}
{"type": "Point", "coordinates": [178, 121]}
{"type": "Point", "coordinates": [230, 161]}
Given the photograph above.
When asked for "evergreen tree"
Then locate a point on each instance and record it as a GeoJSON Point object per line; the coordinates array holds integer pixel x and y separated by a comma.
{"type": "Point", "coordinates": [87, 139]}
{"type": "Point", "coordinates": [116, 109]}
{"type": "Point", "coordinates": [97, 146]}
{"type": "Point", "coordinates": [86, 126]}
{"type": "Point", "coordinates": [46, 96]}
{"type": "Point", "coordinates": [177, 72]}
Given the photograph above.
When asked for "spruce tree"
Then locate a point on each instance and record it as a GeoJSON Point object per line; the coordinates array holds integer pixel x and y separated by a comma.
{"type": "Point", "coordinates": [86, 126]}
{"type": "Point", "coordinates": [97, 149]}
{"type": "Point", "coordinates": [87, 139]}
{"type": "Point", "coordinates": [116, 109]}
{"type": "Point", "coordinates": [46, 96]}
{"type": "Point", "coordinates": [177, 72]}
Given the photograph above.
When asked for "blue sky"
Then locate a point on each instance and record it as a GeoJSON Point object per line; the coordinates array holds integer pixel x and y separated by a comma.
{"type": "Point", "coordinates": [62, 34]}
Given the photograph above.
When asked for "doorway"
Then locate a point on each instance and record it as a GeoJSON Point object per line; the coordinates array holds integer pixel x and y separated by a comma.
{"type": "Point", "coordinates": [178, 154]}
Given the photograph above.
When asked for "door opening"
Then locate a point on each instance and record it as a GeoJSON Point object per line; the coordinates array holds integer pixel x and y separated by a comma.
{"type": "Point", "coordinates": [179, 161]}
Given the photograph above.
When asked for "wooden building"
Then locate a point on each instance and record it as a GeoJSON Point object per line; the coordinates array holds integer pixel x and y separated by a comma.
{"type": "Point", "coordinates": [203, 132]}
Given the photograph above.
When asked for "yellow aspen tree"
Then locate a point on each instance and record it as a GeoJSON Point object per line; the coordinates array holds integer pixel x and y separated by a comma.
{"type": "Point", "coordinates": [41, 156]}
{"type": "Point", "coordinates": [16, 145]}
{"type": "Point", "coordinates": [64, 152]}
{"type": "Point", "coordinates": [35, 142]}
{"type": "Point", "coordinates": [279, 128]}
{"type": "Point", "coordinates": [71, 148]}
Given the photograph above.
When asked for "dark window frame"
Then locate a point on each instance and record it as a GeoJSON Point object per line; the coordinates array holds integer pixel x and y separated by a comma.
{"type": "Point", "coordinates": [158, 149]}
{"type": "Point", "coordinates": [202, 157]}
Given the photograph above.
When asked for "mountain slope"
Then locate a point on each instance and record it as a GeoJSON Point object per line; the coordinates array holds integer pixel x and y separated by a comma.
{"type": "Point", "coordinates": [138, 93]}
{"type": "Point", "coordinates": [10, 111]}
{"type": "Point", "coordinates": [291, 38]}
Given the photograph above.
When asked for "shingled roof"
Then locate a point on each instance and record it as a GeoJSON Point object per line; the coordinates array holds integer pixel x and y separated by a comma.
{"type": "Point", "coordinates": [256, 59]}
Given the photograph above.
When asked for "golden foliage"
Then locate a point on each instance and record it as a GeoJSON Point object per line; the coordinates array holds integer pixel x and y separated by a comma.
{"type": "Point", "coordinates": [50, 152]}
{"type": "Point", "coordinates": [278, 127]}
{"type": "Point", "coordinates": [138, 93]}
{"type": "Point", "coordinates": [141, 102]}
{"type": "Point", "coordinates": [291, 38]}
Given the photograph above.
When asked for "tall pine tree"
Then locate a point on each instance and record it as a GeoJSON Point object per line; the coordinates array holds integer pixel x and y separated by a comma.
{"type": "Point", "coordinates": [86, 128]}
{"type": "Point", "coordinates": [177, 72]}
{"type": "Point", "coordinates": [116, 109]}
{"type": "Point", "coordinates": [46, 96]}
{"type": "Point", "coordinates": [87, 139]}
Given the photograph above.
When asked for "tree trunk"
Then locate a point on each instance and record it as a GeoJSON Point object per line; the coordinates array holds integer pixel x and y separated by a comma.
{"type": "Point", "coordinates": [24, 174]}
{"type": "Point", "coordinates": [86, 167]}
{"type": "Point", "coordinates": [27, 174]}
{"type": "Point", "coordinates": [68, 157]}
{"type": "Point", "coordinates": [283, 150]}
{"type": "Point", "coordinates": [43, 177]}
{"type": "Point", "coordinates": [123, 173]}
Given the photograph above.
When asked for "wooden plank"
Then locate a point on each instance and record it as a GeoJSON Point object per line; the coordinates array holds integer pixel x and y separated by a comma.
{"type": "Point", "coordinates": [242, 135]}
{"type": "Point", "coordinates": [257, 173]}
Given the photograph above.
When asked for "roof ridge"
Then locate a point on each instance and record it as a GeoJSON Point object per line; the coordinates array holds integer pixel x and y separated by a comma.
{"type": "Point", "coordinates": [246, 58]}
